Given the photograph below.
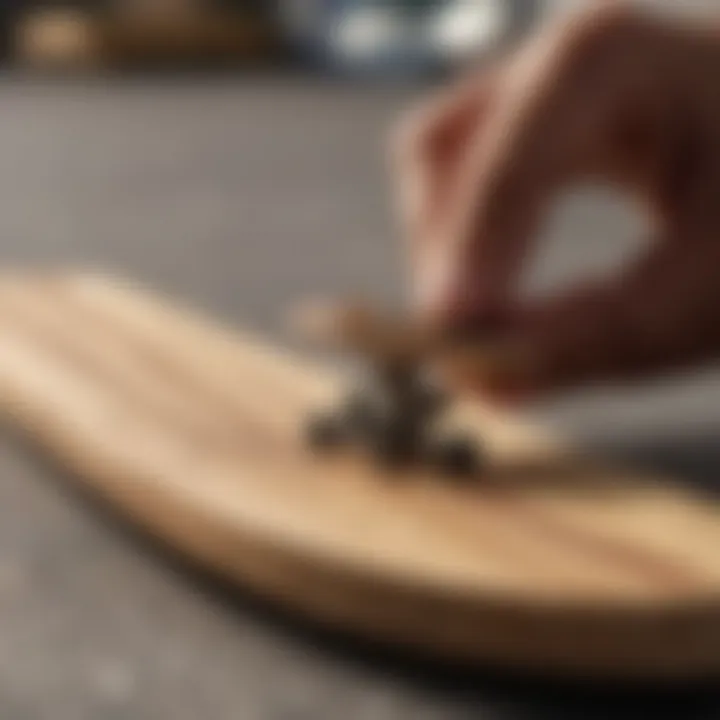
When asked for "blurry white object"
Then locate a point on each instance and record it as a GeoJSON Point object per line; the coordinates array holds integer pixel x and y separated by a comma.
{"type": "Point", "coordinates": [464, 28]}
{"type": "Point", "coordinates": [363, 34]}
{"type": "Point", "coordinates": [402, 37]}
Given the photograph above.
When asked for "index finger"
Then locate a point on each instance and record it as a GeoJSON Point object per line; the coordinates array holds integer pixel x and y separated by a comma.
{"type": "Point", "coordinates": [426, 144]}
{"type": "Point", "coordinates": [560, 97]}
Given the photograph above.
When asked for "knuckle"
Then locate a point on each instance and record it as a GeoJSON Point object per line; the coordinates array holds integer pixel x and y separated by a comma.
{"type": "Point", "coordinates": [597, 30]}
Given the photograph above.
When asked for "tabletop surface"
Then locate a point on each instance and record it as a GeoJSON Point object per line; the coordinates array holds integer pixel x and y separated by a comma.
{"type": "Point", "coordinates": [242, 195]}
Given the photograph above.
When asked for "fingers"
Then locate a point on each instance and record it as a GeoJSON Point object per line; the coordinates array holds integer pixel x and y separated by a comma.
{"type": "Point", "coordinates": [661, 315]}
{"type": "Point", "coordinates": [559, 98]}
{"type": "Point", "coordinates": [600, 96]}
{"type": "Point", "coordinates": [426, 147]}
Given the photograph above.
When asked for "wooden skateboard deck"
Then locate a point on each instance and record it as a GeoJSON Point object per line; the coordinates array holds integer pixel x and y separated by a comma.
{"type": "Point", "coordinates": [544, 562]}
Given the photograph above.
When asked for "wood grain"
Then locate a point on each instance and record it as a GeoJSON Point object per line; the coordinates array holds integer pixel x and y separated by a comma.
{"type": "Point", "coordinates": [546, 562]}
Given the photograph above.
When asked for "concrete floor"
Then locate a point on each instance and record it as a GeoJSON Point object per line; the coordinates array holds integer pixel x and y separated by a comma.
{"type": "Point", "coordinates": [242, 196]}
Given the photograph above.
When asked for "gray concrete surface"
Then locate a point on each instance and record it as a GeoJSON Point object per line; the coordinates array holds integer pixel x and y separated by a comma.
{"type": "Point", "coordinates": [241, 196]}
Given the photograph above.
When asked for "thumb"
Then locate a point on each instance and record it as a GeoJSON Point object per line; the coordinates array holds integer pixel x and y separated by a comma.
{"type": "Point", "coordinates": [658, 315]}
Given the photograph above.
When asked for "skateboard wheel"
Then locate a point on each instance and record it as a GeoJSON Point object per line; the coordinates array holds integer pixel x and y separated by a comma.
{"type": "Point", "coordinates": [458, 457]}
{"type": "Point", "coordinates": [324, 432]}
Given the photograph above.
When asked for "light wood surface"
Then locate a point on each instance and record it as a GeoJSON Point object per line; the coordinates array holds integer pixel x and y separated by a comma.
{"type": "Point", "coordinates": [191, 428]}
{"type": "Point", "coordinates": [58, 39]}
{"type": "Point", "coordinates": [66, 39]}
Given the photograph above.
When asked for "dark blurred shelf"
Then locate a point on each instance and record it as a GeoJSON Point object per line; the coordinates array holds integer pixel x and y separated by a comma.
{"type": "Point", "coordinates": [74, 38]}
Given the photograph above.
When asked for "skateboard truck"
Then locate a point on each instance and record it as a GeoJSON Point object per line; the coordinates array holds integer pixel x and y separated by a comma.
{"type": "Point", "coordinates": [393, 411]}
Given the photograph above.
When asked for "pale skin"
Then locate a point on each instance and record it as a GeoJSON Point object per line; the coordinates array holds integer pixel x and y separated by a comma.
{"type": "Point", "coordinates": [611, 95]}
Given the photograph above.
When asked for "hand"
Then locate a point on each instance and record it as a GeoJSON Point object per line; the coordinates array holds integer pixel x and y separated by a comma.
{"type": "Point", "coordinates": [611, 95]}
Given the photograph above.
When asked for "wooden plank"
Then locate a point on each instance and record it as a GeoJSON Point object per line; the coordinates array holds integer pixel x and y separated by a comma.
{"type": "Point", "coordinates": [191, 428]}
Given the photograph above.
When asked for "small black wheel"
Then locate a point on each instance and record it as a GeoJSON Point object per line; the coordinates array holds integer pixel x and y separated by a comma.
{"type": "Point", "coordinates": [458, 457]}
{"type": "Point", "coordinates": [325, 431]}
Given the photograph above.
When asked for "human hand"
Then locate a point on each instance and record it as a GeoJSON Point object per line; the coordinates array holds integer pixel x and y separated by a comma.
{"type": "Point", "coordinates": [611, 95]}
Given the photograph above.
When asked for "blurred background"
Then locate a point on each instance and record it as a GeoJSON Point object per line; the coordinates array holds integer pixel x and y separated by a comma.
{"type": "Point", "coordinates": [232, 152]}
{"type": "Point", "coordinates": [349, 37]}
{"type": "Point", "coordinates": [378, 38]}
